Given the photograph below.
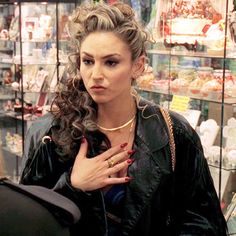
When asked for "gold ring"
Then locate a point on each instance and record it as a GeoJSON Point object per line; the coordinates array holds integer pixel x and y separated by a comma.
{"type": "Point", "coordinates": [110, 162]}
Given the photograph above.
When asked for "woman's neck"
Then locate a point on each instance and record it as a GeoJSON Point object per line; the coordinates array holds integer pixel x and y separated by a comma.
{"type": "Point", "coordinates": [114, 115]}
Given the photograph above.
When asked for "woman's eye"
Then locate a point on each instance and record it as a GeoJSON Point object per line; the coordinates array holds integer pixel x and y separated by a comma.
{"type": "Point", "coordinates": [87, 61]}
{"type": "Point", "coordinates": [111, 63]}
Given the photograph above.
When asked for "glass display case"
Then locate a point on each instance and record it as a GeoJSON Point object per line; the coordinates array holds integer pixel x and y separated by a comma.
{"type": "Point", "coordinates": [193, 71]}
{"type": "Point", "coordinates": [33, 53]}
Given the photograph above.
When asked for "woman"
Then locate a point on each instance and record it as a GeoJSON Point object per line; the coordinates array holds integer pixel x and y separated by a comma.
{"type": "Point", "coordinates": [113, 155]}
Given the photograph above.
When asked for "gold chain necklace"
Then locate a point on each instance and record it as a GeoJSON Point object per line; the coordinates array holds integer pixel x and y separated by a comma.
{"type": "Point", "coordinates": [117, 128]}
{"type": "Point", "coordinates": [131, 129]}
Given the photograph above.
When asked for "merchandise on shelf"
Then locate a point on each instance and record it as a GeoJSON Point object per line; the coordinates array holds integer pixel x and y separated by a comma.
{"type": "Point", "coordinates": [213, 154]}
{"type": "Point", "coordinates": [145, 81]}
{"type": "Point", "coordinates": [179, 86]}
{"type": "Point", "coordinates": [211, 89]}
{"type": "Point", "coordinates": [192, 23]}
{"type": "Point", "coordinates": [229, 133]}
{"type": "Point", "coordinates": [208, 131]}
{"type": "Point", "coordinates": [14, 143]}
{"type": "Point", "coordinates": [231, 156]}
{"type": "Point", "coordinates": [203, 75]}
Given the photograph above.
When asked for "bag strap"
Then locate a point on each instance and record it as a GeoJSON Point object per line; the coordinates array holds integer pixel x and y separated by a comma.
{"type": "Point", "coordinates": [169, 126]}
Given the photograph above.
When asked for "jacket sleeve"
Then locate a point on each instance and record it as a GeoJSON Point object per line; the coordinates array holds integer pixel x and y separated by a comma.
{"type": "Point", "coordinates": [33, 137]}
{"type": "Point", "coordinates": [61, 169]}
{"type": "Point", "coordinates": [89, 203]}
{"type": "Point", "coordinates": [59, 179]}
{"type": "Point", "coordinates": [196, 207]}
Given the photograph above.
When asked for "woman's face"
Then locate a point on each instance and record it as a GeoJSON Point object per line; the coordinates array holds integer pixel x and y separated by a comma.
{"type": "Point", "coordinates": [106, 67]}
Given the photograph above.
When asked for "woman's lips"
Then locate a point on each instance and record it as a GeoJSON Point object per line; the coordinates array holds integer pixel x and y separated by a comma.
{"type": "Point", "coordinates": [97, 88]}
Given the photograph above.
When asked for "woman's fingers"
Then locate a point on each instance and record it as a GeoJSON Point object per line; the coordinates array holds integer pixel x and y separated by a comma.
{"type": "Point", "coordinates": [82, 151]}
{"type": "Point", "coordinates": [92, 173]}
{"type": "Point", "coordinates": [117, 158]}
{"type": "Point", "coordinates": [112, 177]}
{"type": "Point", "coordinates": [120, 166]}
{"type": "Point", "coordinates": [115, 180]}
{"type": "Point", "coordinates": [112, 151]}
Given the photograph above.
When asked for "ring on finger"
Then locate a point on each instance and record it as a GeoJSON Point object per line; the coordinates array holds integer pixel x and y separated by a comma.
{"type": "Point", "coordinates": [110, 162]}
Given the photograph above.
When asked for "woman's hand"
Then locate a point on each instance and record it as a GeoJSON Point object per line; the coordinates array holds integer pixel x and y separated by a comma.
{"type": "Point", "coordinates": [94, 173]}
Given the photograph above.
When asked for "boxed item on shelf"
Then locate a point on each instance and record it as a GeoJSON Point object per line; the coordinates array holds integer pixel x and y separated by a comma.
{"type": "Point", "coordinates": [145, 80]}
{"type": "Point", "coordinates": [179, 86]}
{"type": "Point", "coordinates": [204, 74]}
{"type": "Point", "coordinates": [161, 85]}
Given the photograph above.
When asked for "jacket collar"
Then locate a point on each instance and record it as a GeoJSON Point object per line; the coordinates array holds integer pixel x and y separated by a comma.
{"type": "Point", "coordinates": [150, 129]}
{"type": "Point", "coordinates": [150, 137]}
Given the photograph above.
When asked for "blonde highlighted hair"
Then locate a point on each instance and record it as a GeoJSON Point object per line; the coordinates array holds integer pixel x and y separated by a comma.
{"type": "Point", "coordinates": [118, 18]}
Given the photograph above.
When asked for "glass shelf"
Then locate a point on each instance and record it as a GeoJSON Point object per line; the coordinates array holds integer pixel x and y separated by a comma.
{"type": "Point", "coordinates": [7, 149]}
{"type": "Point", "coordinates": [224, 167]}
{"type": "Point", "coordinates": [230, 101]}
{"type": "Point", "coordinates": [173, 52]}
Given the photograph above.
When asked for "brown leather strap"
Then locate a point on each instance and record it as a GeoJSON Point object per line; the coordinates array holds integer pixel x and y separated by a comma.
{"type": "Point", "coordinates": [169, 126]}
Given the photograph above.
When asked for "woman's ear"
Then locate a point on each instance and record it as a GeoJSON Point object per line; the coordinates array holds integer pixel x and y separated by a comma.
{"type": "Point", "coordinates": [138, 67]}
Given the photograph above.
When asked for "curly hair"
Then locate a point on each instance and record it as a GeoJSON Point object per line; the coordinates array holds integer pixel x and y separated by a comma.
{"type": "Point", "coordinates": [75, 109]}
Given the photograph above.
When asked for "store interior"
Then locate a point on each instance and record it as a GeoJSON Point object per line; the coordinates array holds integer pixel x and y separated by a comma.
{"type": "Point", "coordinates": [191, 69]}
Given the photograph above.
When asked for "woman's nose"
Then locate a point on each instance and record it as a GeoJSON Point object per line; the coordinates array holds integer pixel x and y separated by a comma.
{"type": "Point", "coordinates": [97, 72]}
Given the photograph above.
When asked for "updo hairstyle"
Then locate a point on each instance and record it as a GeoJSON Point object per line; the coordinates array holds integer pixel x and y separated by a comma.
{"type": "Point", "coordinates": [75, 109]}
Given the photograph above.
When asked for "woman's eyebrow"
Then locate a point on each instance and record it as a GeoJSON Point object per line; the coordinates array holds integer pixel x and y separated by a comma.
{"type": "Point", "coordinates": [104, 57]}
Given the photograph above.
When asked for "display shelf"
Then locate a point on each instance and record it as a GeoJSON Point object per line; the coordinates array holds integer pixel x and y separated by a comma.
{"type": "Point", "coordinates": [230, 101]}
{"type": "Point", "coordinates": [6, 51]}
{"type": "Point", "coordinates": [29, 62]}
{"type": "Point", "coordinates": [14, 115]}
{"type": "Point", "coordinates": [5, 40]}
{"type": "Point", "coordinates": [223, 166]}
{"type": "Point", "coordinates": [25, 118]}
{"type": "Point", "coordinates": [7, 149]}
{"type": "Point", "coordinates": [51, 40]}
{"type": "Point", "coordinates": [33, 55]}
{"type": "Point", "coordinates": [11, 163]}
{"type": "Point", "coordinates": [173, 52]}
{"type": "Point", "coordinates": [39, 1]}
{"type": "Point", "coordinates": [6, 60]}
{"type": "Point", "coordinates": [5, 97]}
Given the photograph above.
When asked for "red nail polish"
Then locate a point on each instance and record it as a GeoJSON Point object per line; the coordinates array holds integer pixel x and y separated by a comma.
{"type": "Point", "coordinates": [83, 139]}
{"type": "Point", "coordinates": [130, 161]}
{"type": "Point", "coordinates": [128, 179]}
{"type": "Point", "coordinates": [123, 145]}
{"type": "Point", "coordinates": [131, 152]}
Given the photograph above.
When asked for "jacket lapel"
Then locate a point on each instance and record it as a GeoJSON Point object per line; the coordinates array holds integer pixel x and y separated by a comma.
{"type": "Point", "coordinates": [150, 137]}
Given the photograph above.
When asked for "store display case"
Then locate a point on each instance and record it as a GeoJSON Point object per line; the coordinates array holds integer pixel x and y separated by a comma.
{"type": "Point", "coordinates": [192, 69]}
{"type": "Point", "coordinates": [192, 61]}
{"type": "Point", "coordinates": [33, 53]}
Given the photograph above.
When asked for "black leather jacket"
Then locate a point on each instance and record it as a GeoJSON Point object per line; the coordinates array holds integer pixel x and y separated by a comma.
{"type": "Point", "coordinates": [157, 201]}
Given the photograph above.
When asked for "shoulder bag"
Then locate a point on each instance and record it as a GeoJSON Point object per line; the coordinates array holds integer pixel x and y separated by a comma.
{"type": "Point", "coordinates": [65, 211]}
{"type": "Point", "coordinates": [39, 168]}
